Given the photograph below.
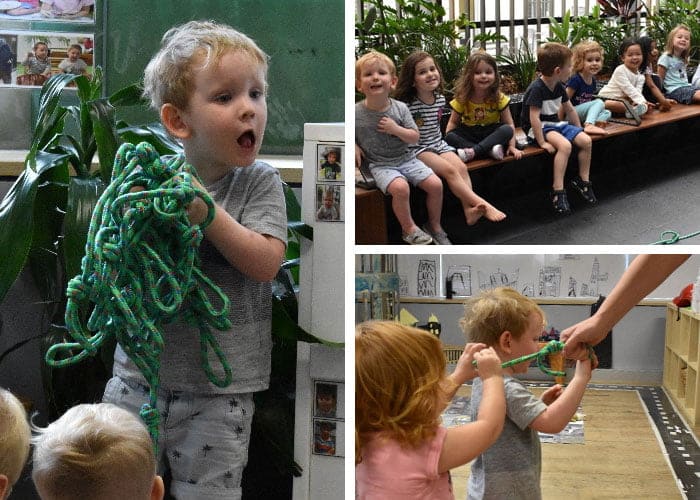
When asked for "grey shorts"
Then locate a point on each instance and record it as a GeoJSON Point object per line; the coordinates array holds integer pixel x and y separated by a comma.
{"type": "Point", "coordinates": [437, 148]}
{"type": "Point", "coordinates": [414, 171]}
{"type": "Point", "coordinates": [203, 438]}
{"type": "Point", "coordinates": [683, 95]}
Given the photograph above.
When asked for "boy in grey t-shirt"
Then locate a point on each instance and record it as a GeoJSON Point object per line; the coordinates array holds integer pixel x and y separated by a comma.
{"type": "Point", "coordinates": [208, 81]}
{"type": "Point", "coordinates": [512, 324]}
{"type": "Point", "coordinates": [383, 130]}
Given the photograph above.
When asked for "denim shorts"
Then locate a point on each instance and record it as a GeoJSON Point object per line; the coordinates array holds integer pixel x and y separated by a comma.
{"type": "Point", "coordinates": [564, 128]}
{"type": "Point", "coordinates": [683, 95]}
{"type": "Point", "coordinates": [414, 171]}
{"type": "Point", "coordinates": [203, 438]}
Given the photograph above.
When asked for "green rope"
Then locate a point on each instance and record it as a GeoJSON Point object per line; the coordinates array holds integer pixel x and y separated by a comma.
{"type": "Point", "coordinates": [553, 346]}
{"type": "Point", "coordinates": [669, 237]}
{"type": "Point", "coordinates": [141, 271]}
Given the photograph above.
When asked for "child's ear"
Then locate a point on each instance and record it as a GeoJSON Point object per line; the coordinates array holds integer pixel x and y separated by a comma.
{"type": "Point", "coordinates": [158, 489]}
{"type": "Point", "coordinates": [504, 341]}
{"type": "Point", "coordinates": [174, 122]}
{"type": "Point", "coordinates": [4, 485]}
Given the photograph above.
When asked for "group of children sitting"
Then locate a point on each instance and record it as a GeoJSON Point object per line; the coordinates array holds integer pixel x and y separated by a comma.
{"type": "Point", "coordinates": [402, 388]}
{"type": "Point", "coordinates": [87, 453]}
{"type": "Point", "coordinates": [398, 123]}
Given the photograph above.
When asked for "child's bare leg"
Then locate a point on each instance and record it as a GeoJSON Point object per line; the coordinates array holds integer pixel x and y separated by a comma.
{"type": "Point", "coordinates": [591, 128]}
{"type": "Point", "coordinates": [561, 158]}
{"type": "Point", "coordinates": [400, 192]}
{"type": "Point", "coordinates": [433, 190]}
{"type": "Point", "coordinates": [616, 107]}
{"type": "Point", "coordinates": [454, 171]}
{"type": "Point", "coordinates": [584, 143]}
{"type": "Point", "coordinates": [696, 96]}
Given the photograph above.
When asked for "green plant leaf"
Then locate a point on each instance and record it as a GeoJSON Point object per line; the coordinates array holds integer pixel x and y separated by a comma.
{"type": "Point", "coordinates": [285, 327]}
{"type": "Point", "coordinates": [131, 95]}
{"type": "Point", "coordinates": [153, 133]}
{"type": "Point", "coordinates": [17, 216]}
{"type": "Point", "coordinates": [82, 198]}
{"type": "Point", "coordinates": [107, 139]}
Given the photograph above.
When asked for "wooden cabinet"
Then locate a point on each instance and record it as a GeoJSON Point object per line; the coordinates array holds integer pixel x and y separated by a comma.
{"type": "Point", "coordinates": [681, 372]}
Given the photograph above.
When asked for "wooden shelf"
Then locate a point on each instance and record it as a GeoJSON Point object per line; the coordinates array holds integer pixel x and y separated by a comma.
{"type": "Point", "coordinates": [681, 368]}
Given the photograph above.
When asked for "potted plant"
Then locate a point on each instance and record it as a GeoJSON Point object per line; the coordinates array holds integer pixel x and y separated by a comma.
{"type": "Point", "coordinates": [45, 216]}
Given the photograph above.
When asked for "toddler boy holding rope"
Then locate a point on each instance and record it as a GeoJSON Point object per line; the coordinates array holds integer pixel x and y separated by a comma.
{"type": "Point", "coordinates": [14, 441]}
{"type": "Point", "coordinates": [512, 324]}
{"type": "Point", "coordinates": [209, 83]}
{"type": "Point", "coordinates": [95, 451]}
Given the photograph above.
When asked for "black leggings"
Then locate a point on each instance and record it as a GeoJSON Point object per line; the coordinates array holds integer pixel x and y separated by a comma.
{"type": "Point", "coordinates": [480, 137]}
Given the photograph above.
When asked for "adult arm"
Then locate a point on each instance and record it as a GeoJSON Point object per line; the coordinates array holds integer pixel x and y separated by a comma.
{"type": "Point", "coordinates": [645, 273]}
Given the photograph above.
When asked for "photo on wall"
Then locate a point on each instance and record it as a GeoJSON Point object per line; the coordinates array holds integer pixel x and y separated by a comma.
{"type": "Point", "coordinates": [29, 59]}
{"type": "Point", "coordinates": [80, 11]}
{"type": "Point", "coordinates": [330, 163]}
{"type": "Point", "coordinates": [328, 400]}
{"type": "Point", "coordinates": [329, 202]}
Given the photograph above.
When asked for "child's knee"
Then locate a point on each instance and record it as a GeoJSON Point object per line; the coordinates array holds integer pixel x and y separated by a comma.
{"type": "Point", "coordinates": [584, 141]}
{"type": "Point", "coordinates": [431, 185]}
{"type": "Point", "coordinates": [399, 188]}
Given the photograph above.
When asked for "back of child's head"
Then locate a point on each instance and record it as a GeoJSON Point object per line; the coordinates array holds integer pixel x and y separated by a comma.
{"type": "Point", "coordinates": [405, 86]}
{"type": "Point", "coordinates": [399, 382]}
{"type": "Point", "coordinates": [373, 56]}
{"type": "Point", "coordinates": [186, 49]}
{"type": "Point", "coordinates": [14, 437]}
{"type": "Point", "coordinates": [581, 50]}
{"type": "Point", "coordinates": [552, 55]}
{"type": "Point", "coordinates": [464, 85]}
{"type": "Point", "coordinates": [492, 312]}
{"type": "Point", "coordinates": [94, 451]}
{"type": "Point", "coordinates": [669, 41]}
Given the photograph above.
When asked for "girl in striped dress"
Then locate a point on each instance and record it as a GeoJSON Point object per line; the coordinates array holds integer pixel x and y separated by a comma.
{"type": "Point", "coordinates": [419, 86]}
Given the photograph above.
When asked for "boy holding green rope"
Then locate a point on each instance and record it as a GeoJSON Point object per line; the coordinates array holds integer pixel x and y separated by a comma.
{"type": "Point", "coordinates": [512, 324]}
{"type": "Point", "coordinates": [209, 84]}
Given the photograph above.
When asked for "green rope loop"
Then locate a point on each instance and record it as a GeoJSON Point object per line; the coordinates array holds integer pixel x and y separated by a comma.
{"type": "Point", "coordinates": [670, 237]}
{"type": "Point", "coordinates": [141, 271]}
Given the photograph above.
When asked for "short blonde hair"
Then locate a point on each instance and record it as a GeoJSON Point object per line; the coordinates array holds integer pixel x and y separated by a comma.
{"type": "Point", "coordinates": [492, 312]}
{"type": "Point", "coordinates": [373, 56]}
{"type": "Point", "coordinates": [400, 383]}
{"type": "Point", "coordinates": [169, 76]}
{"type": "Point", "coordinates": [581, 49]}
{"type": "Point", "coordinates": [94, 451]}
{"type": "Point", "coordinates": [14, 436]}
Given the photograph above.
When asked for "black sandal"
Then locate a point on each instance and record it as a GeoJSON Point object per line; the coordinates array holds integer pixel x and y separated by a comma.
{"type": "Point", "coordinates": [560, 203]}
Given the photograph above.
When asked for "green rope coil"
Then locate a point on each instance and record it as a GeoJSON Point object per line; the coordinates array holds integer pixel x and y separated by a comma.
{"type": "Point", "coordinates": [141, 271]}
{"type": "Point", "coordinates": [553, 346]}
{"type": "Point", "coordinates": [669, 237]}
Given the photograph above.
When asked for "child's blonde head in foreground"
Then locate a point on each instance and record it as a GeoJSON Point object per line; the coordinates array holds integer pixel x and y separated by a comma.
{"type": "Point", "coordinates": [376, 57]}
{"type": "Point", "coordinates": [95, 451]}
{"type": "Point", "coordinates": [400, 383]}
{"type": "Point", "coordinates": [492, 312]}
{"type": "Point", "coordinates": [14, 441]}
{"type": "Point", "coordinates": [581, 50]}
{"type": "Point", "coordinates": [169, 76]}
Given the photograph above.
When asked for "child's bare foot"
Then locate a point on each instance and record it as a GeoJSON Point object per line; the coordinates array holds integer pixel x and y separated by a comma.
{"type": "Point", "coordinates": [493, 214]}
{"type": "Point", "coordinates": [473, 214]}
{"type": "Point", "coordinates": [592, 129]}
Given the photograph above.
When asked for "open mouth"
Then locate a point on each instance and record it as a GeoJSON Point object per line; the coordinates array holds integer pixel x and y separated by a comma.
{"type": "Point", "coordinates": [247, 139]}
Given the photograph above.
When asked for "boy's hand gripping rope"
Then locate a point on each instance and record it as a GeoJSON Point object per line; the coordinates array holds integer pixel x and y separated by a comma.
{"type": "Point", "coordinates": [141, 271]}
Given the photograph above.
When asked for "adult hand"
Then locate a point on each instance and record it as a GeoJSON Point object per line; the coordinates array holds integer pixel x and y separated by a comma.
{"type": "Point", "coordinates": [578, 337]}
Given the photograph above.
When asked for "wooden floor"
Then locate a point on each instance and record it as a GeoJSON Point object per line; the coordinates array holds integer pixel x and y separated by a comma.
{"type": "Point", "coordinates": [621, 457]}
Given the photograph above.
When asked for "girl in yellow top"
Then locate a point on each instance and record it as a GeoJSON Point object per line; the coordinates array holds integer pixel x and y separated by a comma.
{"type": "Point", "coordinates": [481, 123]}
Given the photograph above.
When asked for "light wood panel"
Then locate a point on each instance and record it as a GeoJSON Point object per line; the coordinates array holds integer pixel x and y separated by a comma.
{"type": "Point", "coordinates": [621, 457]}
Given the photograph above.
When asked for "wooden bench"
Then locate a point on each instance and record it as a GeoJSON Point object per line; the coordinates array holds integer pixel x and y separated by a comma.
{"type": "Point", "coordinates": [373, 214]}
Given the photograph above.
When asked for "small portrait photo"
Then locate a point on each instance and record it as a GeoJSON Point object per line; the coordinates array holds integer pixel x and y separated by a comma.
{"type": "Point", "coordinates": [325, 437]}
{"type": "Point", "coordinates": [329, 202]}
{"type": "Point", "coordinates": [326, 400]}
{"type": "Point", "coordinates": [330, 166]}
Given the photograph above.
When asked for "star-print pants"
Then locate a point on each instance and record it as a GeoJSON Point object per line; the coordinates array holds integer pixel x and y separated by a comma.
{"type": "Point", "coordinates": [203, 439]}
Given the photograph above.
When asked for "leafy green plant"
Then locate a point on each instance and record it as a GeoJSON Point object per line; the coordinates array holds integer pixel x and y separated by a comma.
{"type": "Point", "coordinates": [45, 217]}
{"type": "Point", "coordinates": [520, 65]}
{"type": "Point", "coordinates": [622, 9]}
{"type": "Point", "coordinates": [670, 14]}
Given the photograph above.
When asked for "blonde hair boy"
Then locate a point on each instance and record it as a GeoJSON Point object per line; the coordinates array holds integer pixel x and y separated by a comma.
{"type": "Point", "coordinates": [95, 451]}
{"type": "Point", "coordinates": [14, 441]}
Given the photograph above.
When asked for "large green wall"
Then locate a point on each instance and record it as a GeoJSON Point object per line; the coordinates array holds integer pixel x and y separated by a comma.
{"type": "Point", "coordinates": [304, 39]}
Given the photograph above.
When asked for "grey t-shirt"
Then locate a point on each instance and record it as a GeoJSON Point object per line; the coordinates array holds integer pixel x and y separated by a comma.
{"type": "Point", "coordinates": [253, 196]}
{"type": "Point", "coordinates": [380, 149]}
{"type": "Point", "coordinates": [511, 467]}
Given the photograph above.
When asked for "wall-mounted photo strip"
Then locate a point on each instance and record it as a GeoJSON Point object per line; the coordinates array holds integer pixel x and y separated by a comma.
{"type": "Point", "coordinates": [29, 59]}
{"type": "Point", "coordinates": [329, 438]}
{"type": "Point", "coordinates": [329, 400]}
{"type": "Point", "coordinates": [330, 163]}
{"type": "Point", "coordinates": [81, 11]}
{"type": "Point", "coordinates": [329, 202]}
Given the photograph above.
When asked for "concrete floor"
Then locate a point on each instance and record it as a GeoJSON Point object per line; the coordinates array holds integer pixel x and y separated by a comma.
{"type": "Point", "coordinates": [641, 193]}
